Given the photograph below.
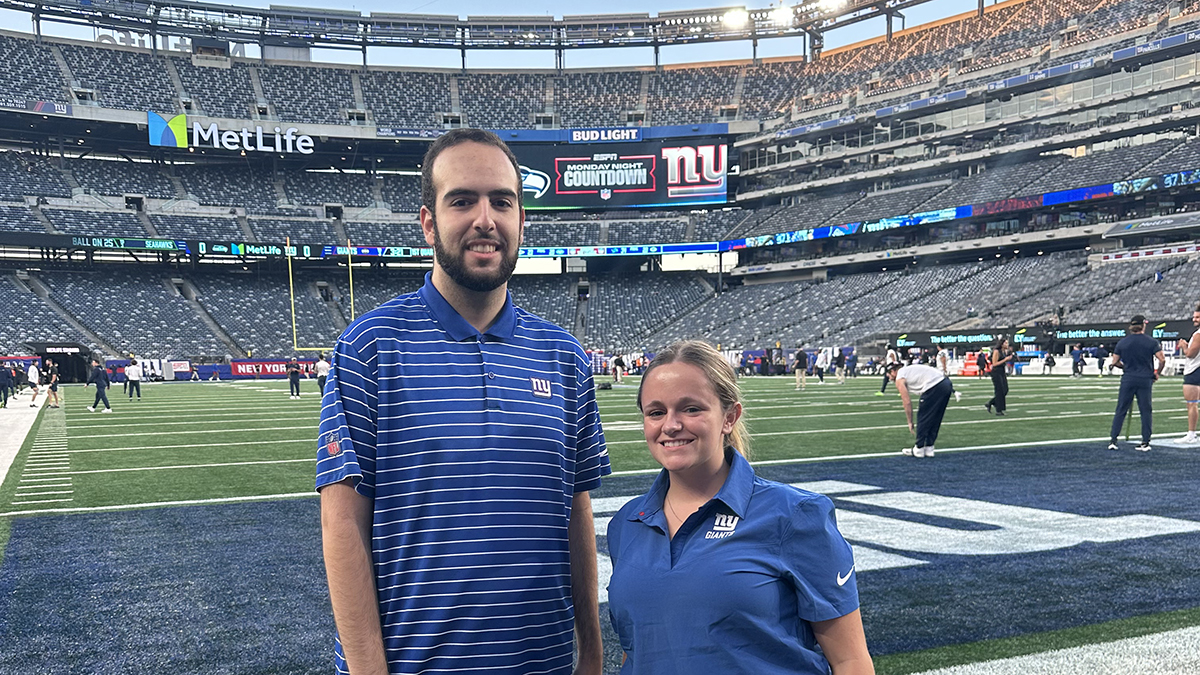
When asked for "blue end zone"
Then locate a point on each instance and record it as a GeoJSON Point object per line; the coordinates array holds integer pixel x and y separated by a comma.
{"type": "Point", "coordinates": [225, 588]}
{"type": "Point", "coordinates": [241, 587]}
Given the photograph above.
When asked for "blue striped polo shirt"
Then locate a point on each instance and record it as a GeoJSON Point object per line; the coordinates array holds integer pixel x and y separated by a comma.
{"type": "Point", "coordinates": [472, 446]}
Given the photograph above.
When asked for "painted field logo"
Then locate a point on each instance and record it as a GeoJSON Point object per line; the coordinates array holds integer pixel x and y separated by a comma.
{"type": "Point", "coordinates": [167, 133]}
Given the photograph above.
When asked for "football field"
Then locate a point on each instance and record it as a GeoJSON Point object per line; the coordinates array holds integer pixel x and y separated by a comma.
{"type": "Point", "coordinates": [181, 532]}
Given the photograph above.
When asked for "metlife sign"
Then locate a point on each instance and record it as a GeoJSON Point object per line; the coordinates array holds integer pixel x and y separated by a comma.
{"type": "Point", "coordinates": [173, 133]}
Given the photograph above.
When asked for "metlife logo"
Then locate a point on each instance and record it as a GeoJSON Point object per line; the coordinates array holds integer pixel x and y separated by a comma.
{"type": "Point", "coordinates": [173, 133]}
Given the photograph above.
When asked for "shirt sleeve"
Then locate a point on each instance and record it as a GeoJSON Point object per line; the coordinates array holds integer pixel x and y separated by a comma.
{"type": "Point", "coordinates": [591, 453]}
{"type": "Point", "coordinates": [348, 429]}
{"type": "Point", "coordinates": [819, 562]}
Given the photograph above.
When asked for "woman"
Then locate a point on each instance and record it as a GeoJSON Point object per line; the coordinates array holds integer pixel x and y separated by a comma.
{"type": "Point", "coordinates": [715, 569]}
{"type": "Point", "coordinates": [998, 360]}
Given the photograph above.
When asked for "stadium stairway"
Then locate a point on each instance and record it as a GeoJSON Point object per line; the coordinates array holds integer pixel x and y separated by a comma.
{"type": "Point", "coordinates": [189, 293]}
{"type": "Point", "coordinates": [39, 289]}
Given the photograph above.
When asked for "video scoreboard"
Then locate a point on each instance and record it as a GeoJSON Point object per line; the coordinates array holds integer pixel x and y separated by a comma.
{"type": "Point", "coordinates": [650, 173]}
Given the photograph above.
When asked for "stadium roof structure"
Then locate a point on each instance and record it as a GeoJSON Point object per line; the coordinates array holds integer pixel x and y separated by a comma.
{"type": "Point", "coordinates": [344, 29]}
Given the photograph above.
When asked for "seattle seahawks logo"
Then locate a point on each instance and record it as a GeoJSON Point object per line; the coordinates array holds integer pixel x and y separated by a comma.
{"type": "Point", "coordinates": [534, 181]}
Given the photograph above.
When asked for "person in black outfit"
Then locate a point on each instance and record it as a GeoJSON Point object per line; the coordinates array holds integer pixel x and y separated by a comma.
{"type": "Point", "coordinates": [99, 377]}
{"type": "Point", "coordinates": [981, 364]}
{"type": "Point", "coordinates": [1136, 354]}
{"type": "Point", "coordinates": [5, 384]}
{"type": "Point", "coordinates": [293, 373]}
{"type": "Point", "coordinates": [1000, 357]}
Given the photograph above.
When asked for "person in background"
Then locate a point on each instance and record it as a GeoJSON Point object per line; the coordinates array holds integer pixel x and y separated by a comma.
{"type": "Point", "coordinates": [766, 578]}
{"type": "Point", "coordinates": [52, 383]}
{"type": "Point", "coordinates": [35, 379]}
{"type": "Point", "coordinates": [293, 376]}
{"type": "Point", "coordinates": [999, 359]}
{"type": "Point", "coordinates": [1190, 350]}
{"type": "Point", "coordinates": [981, 364]}
{"type": "Point", "coordinates": [891, 356]}
{"type": "Point", "coordinates": [934, 390]}
{"type": "Point", "coordinates": [800, 365]}
{"type": "Point", "coordinates": [99, 377]}
{"type": "Point", "coordinates": [133, 379]}
{"type": "Point", "coordinates": [322, 370]}
{"type": "Point", "coordinates": [1136, 353]}
{"type": "Point", "coordinates": [5, 384]}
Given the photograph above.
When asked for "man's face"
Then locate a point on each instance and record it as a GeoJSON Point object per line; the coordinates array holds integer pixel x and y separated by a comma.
{"type": "Point", "coordinates": [1196, 319]}
{"type": "Point", "coordinates": [477, 231]}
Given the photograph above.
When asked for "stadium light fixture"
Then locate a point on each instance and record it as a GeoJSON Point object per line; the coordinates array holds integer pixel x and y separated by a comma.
{"type": "Point", "coordinates": [781, 15]}
{"type": "Point", "coordinates": [831, 5]}
{"type": "Point", "coordinates": [735, 18]}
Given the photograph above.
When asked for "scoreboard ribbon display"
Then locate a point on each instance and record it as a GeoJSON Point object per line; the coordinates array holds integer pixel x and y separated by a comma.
{"type": "Point", "coordinates": [652, 173]}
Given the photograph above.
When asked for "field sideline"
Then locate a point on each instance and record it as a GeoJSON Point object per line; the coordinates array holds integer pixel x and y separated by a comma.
{"type": "Point", "coordinates": [207, 449]}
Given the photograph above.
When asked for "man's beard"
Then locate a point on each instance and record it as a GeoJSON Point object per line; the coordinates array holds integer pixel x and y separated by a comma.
{"type": "Point", "coordinates": [456, 268]}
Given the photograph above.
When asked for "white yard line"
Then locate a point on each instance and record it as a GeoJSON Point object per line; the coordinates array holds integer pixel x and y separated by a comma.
{"type": "Point", "coordinates": [18, 419]}
{"type": "Point", "coordinates": [187, 502]}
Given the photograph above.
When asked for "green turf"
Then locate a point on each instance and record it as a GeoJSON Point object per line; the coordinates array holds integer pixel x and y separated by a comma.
{"type": "Point", "coordinates": [989, 650]}
{"type": "Point", "coordinates": [194, 441]}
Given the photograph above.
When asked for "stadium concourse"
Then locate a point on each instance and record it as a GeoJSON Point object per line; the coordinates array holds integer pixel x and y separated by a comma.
{"type": "Point", "coordinates": [1026, 171]}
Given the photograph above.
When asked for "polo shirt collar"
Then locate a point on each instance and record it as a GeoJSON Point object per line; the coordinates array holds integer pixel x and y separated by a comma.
{"type": "Point", "coordinates": [452, 322]}
{"type": "Point", "coordinates": [735, 493]}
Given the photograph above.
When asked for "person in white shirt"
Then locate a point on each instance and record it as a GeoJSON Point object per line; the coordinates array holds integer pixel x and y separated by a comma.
{"type": "Point", "coordinates": [133, 378]}
{"type": "Point", "coordinates": [822, 364]}
{"type": "Point", "coordinates": [934, 390]}
{"type": "Point", "coordinates": [35, 378]}
{"type": "Point", "coordinates": [891, 358]}
{"type": "Point", "coordinates": [943, 360]}
{"type": "Point", "coordinates": [1190, 350]}
{"type": "Point", "coordinates": [322, 368]}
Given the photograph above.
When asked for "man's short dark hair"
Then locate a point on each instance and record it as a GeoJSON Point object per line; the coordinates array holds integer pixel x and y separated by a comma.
{"type": "Point", "coordinates": [893, 366]}
{"type": "Point", "coordinates": [449, 140]}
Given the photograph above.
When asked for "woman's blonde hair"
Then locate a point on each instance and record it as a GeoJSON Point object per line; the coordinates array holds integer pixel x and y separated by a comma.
{"type": "Point", "coordinates": [720, 376]}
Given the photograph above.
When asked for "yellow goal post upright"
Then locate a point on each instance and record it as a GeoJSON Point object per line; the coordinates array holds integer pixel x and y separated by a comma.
{"type": "Point", "coordinates": [287, 252]}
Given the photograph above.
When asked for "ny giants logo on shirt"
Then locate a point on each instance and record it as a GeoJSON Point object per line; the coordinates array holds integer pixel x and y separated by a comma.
{"type": "Point", "coordinates": [722, 526]}
{"type": "Point", "coordinates": [541, 388]}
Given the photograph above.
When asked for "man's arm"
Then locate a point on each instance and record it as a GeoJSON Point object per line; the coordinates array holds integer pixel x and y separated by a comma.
{"type": "Point", "coordinates": [346, 541]}
{"type": "Point", "coordinates": [902, 388]}
{"type": "Point", "coordinates": [585, 580]}
{"type": "Point", "coordinates": [1162, 363]}
{"type": "Point", "coordinates": [1191, 347]}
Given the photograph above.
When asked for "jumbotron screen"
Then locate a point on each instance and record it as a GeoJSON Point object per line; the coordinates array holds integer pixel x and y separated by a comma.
{"type": "Point", "coordinates": [652, 173]}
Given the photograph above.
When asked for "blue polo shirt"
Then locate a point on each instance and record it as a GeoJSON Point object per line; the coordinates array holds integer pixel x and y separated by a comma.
{"type": "Point", "coordinates": [736, 588]}
{"type": "Point", "coordinates": [472, 446]}
{"type": "Point", "coordinates": [1137, 352]}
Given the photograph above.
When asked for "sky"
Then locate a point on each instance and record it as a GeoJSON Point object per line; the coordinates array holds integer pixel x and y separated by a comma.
{"type": "Point", "coordinates": [623, 57]}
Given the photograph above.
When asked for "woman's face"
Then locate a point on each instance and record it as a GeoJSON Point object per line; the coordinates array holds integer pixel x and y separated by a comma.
{"type": "Point", "coordinates": [1003, 344]}
{"type": "Point", "coordinates": [682, 419]}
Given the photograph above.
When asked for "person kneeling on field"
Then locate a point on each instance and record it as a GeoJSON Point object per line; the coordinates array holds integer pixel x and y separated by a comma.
{"type": "Point", "coordinates": [935, 391]}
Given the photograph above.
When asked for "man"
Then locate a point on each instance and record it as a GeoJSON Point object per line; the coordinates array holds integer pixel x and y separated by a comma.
{"type": "Point", "coordinates": [935, 390]}
{"type": "Point", "coordinates": [454, 471]}
{"type": "Point", "coordinates": [943, 361]}
{"type": "Point", "coordinates": [133, 379]}
{"type": "Point", "coordinates": [618, 368]}
{"type": "Point", "coordinates": [322, 369]}
{"type": "Point", "coordinates": [52, 390]}
{"type": "Point", "coordinates": [1101, 355]}
{"type": "Point", "coordinates": [1136, 354]}
{"type": "Point", "coordinates": [35, 378]}
{"type": "Point", "coordinates": [293, 376]}
{"type": "Point", "coordinates": [5, 383]}
{"type": "Point", "coordinates": [839, 365]}
{"type": "Point", "coordinates": [981, 364]}
{"type": "Point", "coordinates": [892, 357]}
{"type": "Point", "coordinates": [99, 377]}
{"type": "Point", "coordinates": [1077, 361]}
{"type": "Point", "coordinates": [801, 367]}
{"type": "Point", "coordinates": [1190, 350]}
{"type": "Point", "coordinates": [852, 363]}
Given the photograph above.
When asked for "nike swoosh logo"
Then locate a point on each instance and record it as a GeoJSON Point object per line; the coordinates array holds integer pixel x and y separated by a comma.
{"type": "Point", "coordinates": [843, 579]}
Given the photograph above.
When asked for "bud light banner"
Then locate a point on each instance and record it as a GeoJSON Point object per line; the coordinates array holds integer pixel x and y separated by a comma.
{"type": "Point", "coordinates": [653, 173]}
